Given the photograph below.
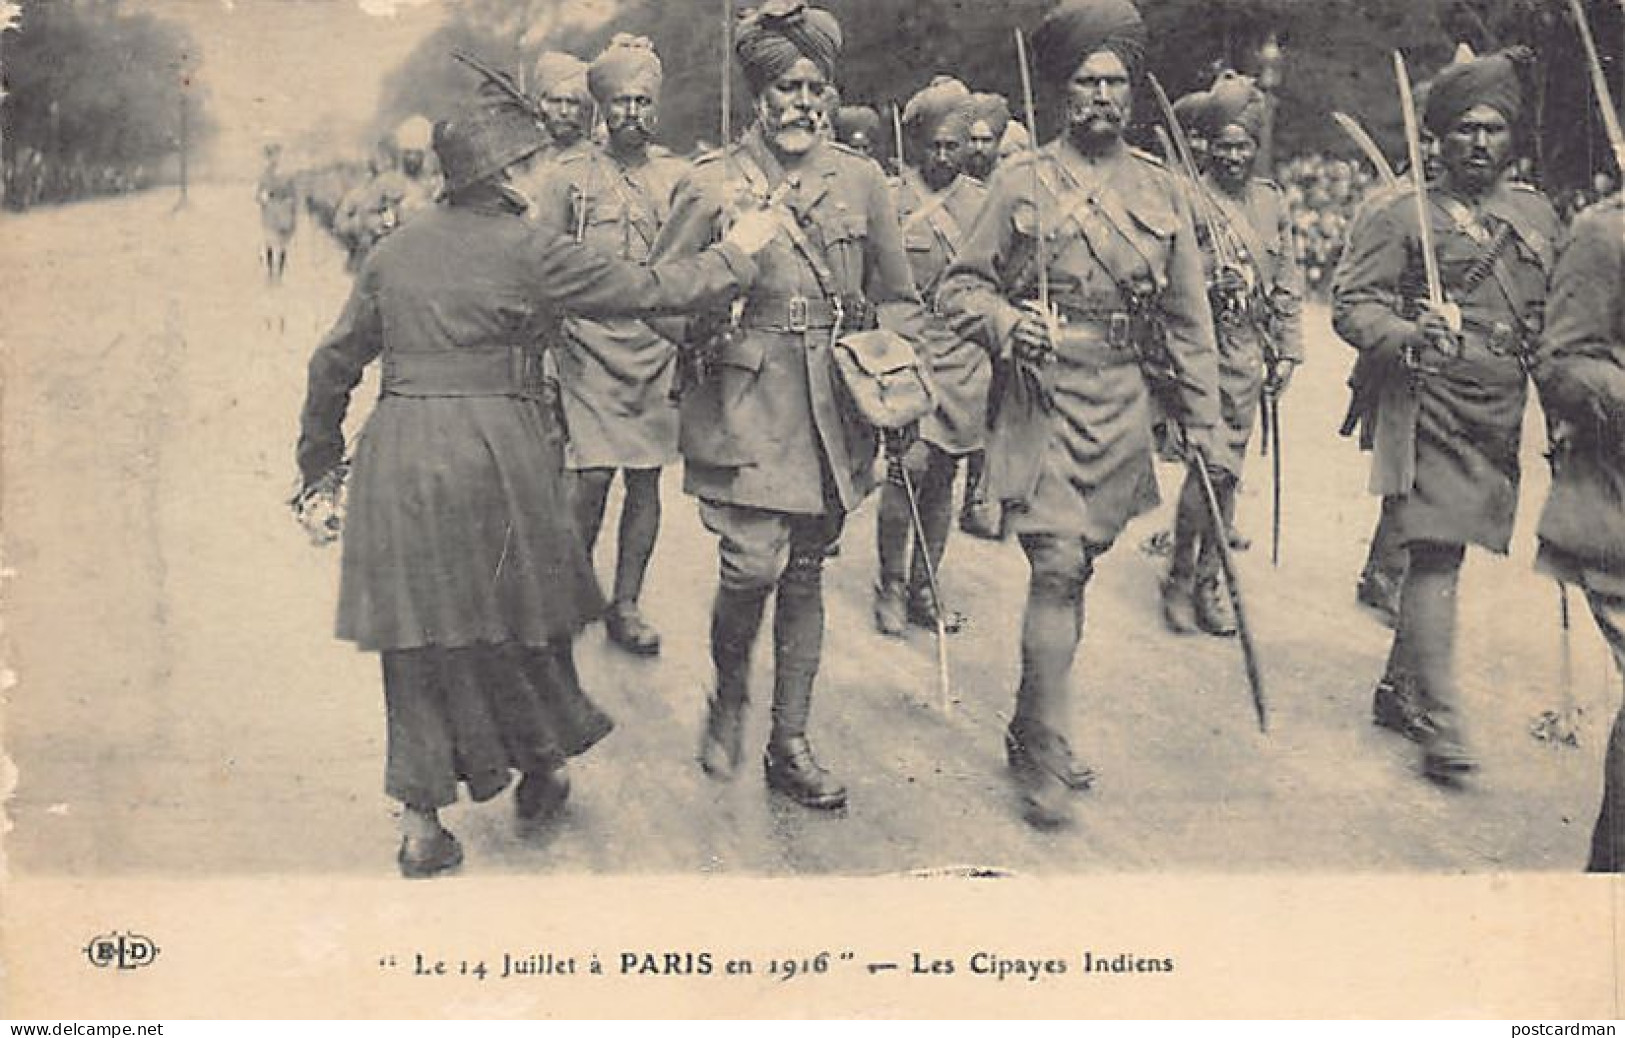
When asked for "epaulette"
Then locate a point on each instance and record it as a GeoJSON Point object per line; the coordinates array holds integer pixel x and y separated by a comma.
{"type": "Point", "coordinates": [846, 149]}
{"type": "Point", "coordinates": [572, 155]}
{"type": "Point", "coordinates": [708, 157]}
{"type": "Point", "coordinates": [1518, 185]}
{"type": "Point", "coordinates": [660, 151]}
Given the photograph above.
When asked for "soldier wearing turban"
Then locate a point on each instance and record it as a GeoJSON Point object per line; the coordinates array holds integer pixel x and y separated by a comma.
{"type": "Point", "coordinates": [1447, 428]}
{"type": "Point", "coordinates": [985, 117]}
{"type": "Point", "coordinates": [1255, 287]}
{"type": "Point", "coordinates": [858, 127]}
{"type": "Point", "coordinates": [936, 206]}
{"type": "Point", "coordinates": [560, 83]}
{"type": "Point", "coordinates": [615, 377]}
{"type": "Point", "coordinates": [1069, 454]}
{"type": "Point", "coordinates": [775, 458]}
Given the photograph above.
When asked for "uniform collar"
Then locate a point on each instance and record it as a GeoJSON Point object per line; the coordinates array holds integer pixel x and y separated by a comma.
{"type": "Point", "coordinates": [813, 173]}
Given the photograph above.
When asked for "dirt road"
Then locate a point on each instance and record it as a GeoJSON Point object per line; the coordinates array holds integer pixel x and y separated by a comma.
{"type": "Point", "coordinates": [181, 706]}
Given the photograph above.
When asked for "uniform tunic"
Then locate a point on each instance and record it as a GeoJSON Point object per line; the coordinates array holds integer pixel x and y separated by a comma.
{"type": "Point", "coordinates": [278, 196]}
{"type": "Point", "coordinates": [768, 426]}
{"type": "Point", "coordinates": [1257, 228]}
{"type": "Point", "coordinates": [1581, 361]}
{"type": "Point", "coordinates": [934, 227]}
{"type": "Point", "coordinates": [615, 376]}
{"type": "Point", "coordinates": [458, 530]}
{"type": "Point", "coordinates": [1448, 440]}
{"type": "Point", "coordinates": [1084, 468]}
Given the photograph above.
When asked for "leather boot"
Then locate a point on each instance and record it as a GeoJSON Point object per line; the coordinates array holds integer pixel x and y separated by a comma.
{"type": "Point", "coordinates": [541, 794]}
{"type": "Point", "coordinates": [791, 769]}
{"type": "Point", "coordinates": [1178, 589]}
{"type": "Point", "coordinates": [736, 618]}
{"type": "Point", "coordinates": [626, 628]}
{"type": "Point", "coordinates": [1397, 705]}
{"type": "Point", "coordinates": [798, 644]}
{"type": "Point", "coordinates": [891, 608]}
{"type": "Point", "coordinates": [1043, 770]}
{"type": "Point", "coordinates": [1213, 612]}
{"type": "Point", "coordinates": [1078, 777]}
{"type": "Point", "coordinates": [1178, 604]}
{"type": "Point", "coordinates": [1445, 757]}
{"type": "Point", "coordinates": [922, 611]}
{"type": "Point", "coordinates": [721, 745]}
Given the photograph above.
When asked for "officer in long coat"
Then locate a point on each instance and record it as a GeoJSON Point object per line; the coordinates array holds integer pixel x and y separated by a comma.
{"type": "Point", "coordinates": [616, 377]}
{"type": "Point", "coordinates": [461, 566]}
{"type": "Point", "coordinates": [1255, 288]}
{"type": "Point", "coordinates": [774, 452]}
{"type": "Point", "coordinates": [1069, 452]}
{"type": "Point", "coordinates": [1580, 370]}
{"type": "Point", "coordinates": [936, 206]}
{"type": "Point", "coordinates": [1447, 437]}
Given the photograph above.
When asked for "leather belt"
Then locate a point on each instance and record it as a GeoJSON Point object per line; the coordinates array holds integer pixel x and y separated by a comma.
{"type": "Point", "coordinates": [789, 313]}
{"type": "Point", "coordinates": [1111, 328]}
{"type": "Point", "coordinates": [462, 372]}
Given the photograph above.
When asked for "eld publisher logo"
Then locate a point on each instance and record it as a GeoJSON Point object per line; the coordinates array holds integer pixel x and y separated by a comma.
{"type": "Point", "coordinates": [127, 951]}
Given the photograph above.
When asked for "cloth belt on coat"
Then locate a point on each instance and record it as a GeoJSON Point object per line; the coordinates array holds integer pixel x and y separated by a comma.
{"type": "Point", "coordinates": [471, 371]}
{"type": "Point", "coordinates": [1096, 339]}
{"type": "Point", "coordinates": [788, 313]}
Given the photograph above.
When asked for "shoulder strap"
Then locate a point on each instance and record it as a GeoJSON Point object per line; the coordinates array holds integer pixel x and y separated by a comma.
{"type": "Point", "coordinates": [1073, 202]}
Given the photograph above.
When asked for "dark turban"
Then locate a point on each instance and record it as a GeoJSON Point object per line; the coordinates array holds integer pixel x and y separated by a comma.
{"type": "Point", "coordinates": [1492, 80]}
{"type": "Point", "coordinates": [856, 120]}
{"type": "Point", "coordinates": [1079, 28]}
{"type": "Point", "coordinates": [556, 70]}
{"type": "Point", "coordinates": [927, 109]}
{"type": "Point", "coordinates": [1191, 111]}
{"type": "Point", "coordinates": [629, 63]}
{"type": "Point", "coordinates": [989, 108]}
{"type": "Point", "coordinates": [1233, 99]}
{"type": "Point", "coordinates": [780, 32]}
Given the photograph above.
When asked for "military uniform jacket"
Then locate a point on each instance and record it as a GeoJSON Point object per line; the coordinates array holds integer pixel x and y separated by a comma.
{"type": "Point", "coordinates": [1257, 229]}
{"type": "Point", "coordinates": [1082, 466]}
{"type": "Point", "coordinates": [767, 425]}
{"type": "Point", "coordinates": [459, 531]}
{"type": "Point", "coordinates": [615, 376]}
{"type": "Point", "coordinates": [1580, 370]}
{"type": "Point", "coordinates": [934, 226]}
{"type": "Point", "coordinates": [1447, 440]}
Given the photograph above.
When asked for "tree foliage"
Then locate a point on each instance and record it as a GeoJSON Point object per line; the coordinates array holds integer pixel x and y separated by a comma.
{"type": "Point", "coordinates": [1336, 55]}
{"type": "Point", "coordinates": [93, 98]}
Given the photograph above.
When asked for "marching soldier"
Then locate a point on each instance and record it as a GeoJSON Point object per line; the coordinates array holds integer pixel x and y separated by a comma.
{"type": "Point", "coordinates": [278, 196]}
{"type": "Point", "coordinates": [564, 98]}
{"type": "Point", "coordinates": [1447, 436]}
{"type": "Point", "coordinates": [1257, 302]}
{"type": "Point", "coordinates": [616, 377]}
{"type": "Point", "coordinates": [461, 566]}
{"type": "Point", "coordinates": [1069, 452]}
{"type": "Point", "coordinates": [774, 453]}
{"type": "Point", "coordinates": [395, 194]}
{"type": "Point", "coordinates": [987, 118]}
{"type": "Point", "coordinates": [936, 204]}
{"type": "Point", "coordinates": [1580, 369]}
{"type": "Point", "coordinates": [857, 127]}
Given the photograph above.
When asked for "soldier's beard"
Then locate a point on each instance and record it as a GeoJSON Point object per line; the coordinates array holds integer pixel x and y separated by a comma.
{"type": "Point", "coordinates": [630, 135]}
{"type": "Point", "coordinates": [1094, 127]}
{"type": "Point", "coordinates": [979, 164]}
{"type": "Point", "coordinates": [791, 132]}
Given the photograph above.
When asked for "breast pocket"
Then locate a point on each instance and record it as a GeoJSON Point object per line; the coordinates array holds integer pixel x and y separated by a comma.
{"type": "Point", "coordinates": [846, 237]}
{"type": "Point", "coordinates": [1154, 228]}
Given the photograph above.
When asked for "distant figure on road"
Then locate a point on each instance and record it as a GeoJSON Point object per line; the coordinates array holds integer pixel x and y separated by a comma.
{"type": "Point", "coordinates": [461, 564]}
{"type": "Point", "coordinates": [278, 198]}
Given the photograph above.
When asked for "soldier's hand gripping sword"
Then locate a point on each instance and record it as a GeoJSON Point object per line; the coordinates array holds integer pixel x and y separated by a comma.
{"type": "Point", "coordinates": [1249, 652]}
{"type": "Point", "coordinates": [1051, 318]}
{"type": "Point", "coordinates": [1419, 186]}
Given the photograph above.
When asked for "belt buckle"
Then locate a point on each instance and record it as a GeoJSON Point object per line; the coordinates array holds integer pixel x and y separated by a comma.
{"type": "Point", "coordinates": [1500, 337]}
{"type": "Point", "coordinates": [796, 311]}
{"type": "Point", "coordinates": [1117, 329]}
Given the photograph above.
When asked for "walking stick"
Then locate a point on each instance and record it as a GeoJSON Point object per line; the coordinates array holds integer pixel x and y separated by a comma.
{"type": "Point", "coordinates": [944, 693]}
{"type": "Point", "coordinates": [1249, 652]}
{"type": "Point", "coordinates": [1273, 402]}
